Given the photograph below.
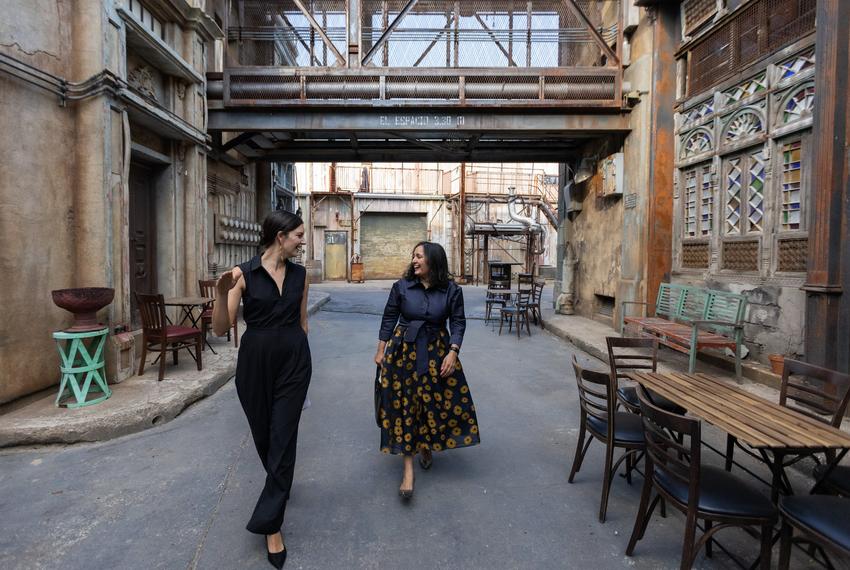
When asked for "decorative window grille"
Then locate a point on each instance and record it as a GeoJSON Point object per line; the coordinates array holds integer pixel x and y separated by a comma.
{"type": "Point", "coordinates": [798, 104]}
{"type": "Point", "coordinates": [697, 12]}
{"type": "Point", "coordinates": [797, 64]}
{"type": "Point", "coordinates": [792, 173]}
{"type": "Point", "coordinates": [733, 196]}
{"type": "Point", "coordinates": [755, 192]}
{"type": "Point", "coordinates": [759, 28]}
{"type": "Point", "coordinates": [699, 202]}
{"type": "Point", "coordinates": [696, 143]}
{"type": "Point", "coordinates": [745, 89]}
{"type": "Point", "coordinates": [695, 255]}
{"type": "Point", "coordinates": [744, 192]}
{"type": "Point", "coordinates": [743, 125]}
{"type": "Point", "coordinates": [698, 113]}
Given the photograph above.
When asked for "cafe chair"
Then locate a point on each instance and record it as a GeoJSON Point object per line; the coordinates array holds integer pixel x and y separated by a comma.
{"type": "Point", "coordinates": [516, 313]}
{"type": "Point", "coordinates": [628, 354]}
{"type": "Point", "coordinates": [495, 298]}
{"type": "Point", "coordinates": [207, 288]}
{"type": "Point", "coordinates": [674, 471]}
{"type": "Point", "coordinates": [601, 421]}
{"type": "Point", "coordinates": [819, 520]}
{"type": "Point", "coordinates": [534, 305]}
{"type": "Point", "coordinates": [816, 392]}
{"type": "Point", "coordinates": [159, 336]}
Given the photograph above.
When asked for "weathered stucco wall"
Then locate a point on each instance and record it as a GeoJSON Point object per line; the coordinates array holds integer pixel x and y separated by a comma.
{"type": "Point", "coordinates": [37, 212]}
{"type": "Point", "coordinates": [609, 234]}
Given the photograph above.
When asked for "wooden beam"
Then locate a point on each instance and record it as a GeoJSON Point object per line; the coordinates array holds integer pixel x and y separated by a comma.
{"type": "Point", "coordinates": [388, 32]}
{"type": "Point", "coordinates": [319, 30]}
{"type": "Point", "coordinates": [571, 4]}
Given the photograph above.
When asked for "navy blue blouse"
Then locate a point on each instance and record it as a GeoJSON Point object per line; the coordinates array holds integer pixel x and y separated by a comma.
{"type": "Point", "coordinates": [412, 306]}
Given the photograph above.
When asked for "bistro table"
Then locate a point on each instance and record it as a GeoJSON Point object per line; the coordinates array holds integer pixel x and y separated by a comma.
{"type": "Point", "coordinates": [187, 306]}
{"type": "Point", "coordinates": [773, 430]}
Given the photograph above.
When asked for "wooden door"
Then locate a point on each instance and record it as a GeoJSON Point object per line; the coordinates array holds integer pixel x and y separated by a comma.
{"type": "Point", "coordinates": [336, 255]}
{"type": "Point", "coordinates": [142, 236]}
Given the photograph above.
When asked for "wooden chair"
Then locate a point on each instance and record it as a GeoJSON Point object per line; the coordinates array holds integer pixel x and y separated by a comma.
{"type": "Point", "coordinates": [816, 392]}
{"type": "Point", "coordinates": [674, 471]}
{"type": "Point", "coordinates": [821, 521]}
{"type": "Point", "coordinates": [494, 297]}
{"type": "Point", "coordinates": [626, 354]}
{"type": "Point", "coordinates": [525, 281]}
{"type": "Point", "coordinates": [601, 421]}
{"type": "Point", "coordinates": [207, 288]}
{"type": "Point", "coordinates": [534, 305]}
{"type": "Point", "coordinates": [516, 312]}
{"type": "Point", "coordinates": [158, 335]}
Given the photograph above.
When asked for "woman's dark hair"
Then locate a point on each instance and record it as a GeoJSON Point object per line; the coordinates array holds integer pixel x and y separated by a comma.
{"type": "Point", "coordinates": [438, 264]}
{"type": "Point", "coordinates": [278, 221]}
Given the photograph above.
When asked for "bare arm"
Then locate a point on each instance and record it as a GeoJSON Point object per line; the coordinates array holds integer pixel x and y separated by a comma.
{"type": "Point", "coordinates": [304, 304]}
{"type": "Point", "coordinates": [229, 290]}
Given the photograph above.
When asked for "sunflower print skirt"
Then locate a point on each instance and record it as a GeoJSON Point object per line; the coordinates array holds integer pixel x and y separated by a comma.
{"type": "Point", "coordinates": [427, 412]}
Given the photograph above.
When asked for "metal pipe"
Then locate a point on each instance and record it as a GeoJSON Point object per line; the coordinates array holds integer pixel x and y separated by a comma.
{"type": "Point", "coordinates": [290, 88]}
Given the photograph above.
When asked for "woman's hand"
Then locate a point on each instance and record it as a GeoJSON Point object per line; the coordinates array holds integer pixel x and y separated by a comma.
{"type": "Point", "coordinates": [448, 364]}
{"type": "Point", "coordinates": [228, 281]}
{"type": "Point", "coordinates": [379, 354]}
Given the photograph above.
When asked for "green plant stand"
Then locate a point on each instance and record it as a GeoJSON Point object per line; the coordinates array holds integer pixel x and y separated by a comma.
{"type": "Point", "coordinates": [83, 368]}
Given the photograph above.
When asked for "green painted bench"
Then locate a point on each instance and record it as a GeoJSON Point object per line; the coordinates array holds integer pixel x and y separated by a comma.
{"type": "Point", "coordinates": [690, 319]}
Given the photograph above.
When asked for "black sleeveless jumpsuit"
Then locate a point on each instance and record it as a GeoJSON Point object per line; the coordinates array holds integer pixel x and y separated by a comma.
{"type": "Point", "coordinates": [272, 375]}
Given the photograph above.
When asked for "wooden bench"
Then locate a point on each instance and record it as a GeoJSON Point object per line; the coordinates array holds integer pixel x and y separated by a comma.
{"type": "Point", "coordinates": [690, 319]}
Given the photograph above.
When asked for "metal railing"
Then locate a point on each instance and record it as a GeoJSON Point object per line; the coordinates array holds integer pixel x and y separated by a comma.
{"type": "Point", "coordinates": [474, 51]}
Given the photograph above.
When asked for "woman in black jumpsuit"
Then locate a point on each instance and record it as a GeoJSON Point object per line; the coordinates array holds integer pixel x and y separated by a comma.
{"type": "Point", "coordinates": [274, 367]}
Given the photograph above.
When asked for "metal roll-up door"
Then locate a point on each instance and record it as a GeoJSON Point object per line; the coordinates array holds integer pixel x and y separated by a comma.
{"type": "Point", "coordinates": [387, 241]}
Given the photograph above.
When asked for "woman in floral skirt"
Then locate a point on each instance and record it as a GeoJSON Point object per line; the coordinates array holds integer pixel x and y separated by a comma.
{"type": "Point", "coordinates": [426, 404]}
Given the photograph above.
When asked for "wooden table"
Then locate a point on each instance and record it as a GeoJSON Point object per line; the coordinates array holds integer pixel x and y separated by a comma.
{"type": "Point", "coordinates": [188, 306]}
{"type": "Point", "coordinates": [773, 430]}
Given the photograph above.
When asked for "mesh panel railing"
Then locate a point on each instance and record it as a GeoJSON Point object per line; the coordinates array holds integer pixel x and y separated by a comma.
{"type": "Point", "coordinates": [478, 33]}
{"type": "Point", "coordinates": [757, 30]}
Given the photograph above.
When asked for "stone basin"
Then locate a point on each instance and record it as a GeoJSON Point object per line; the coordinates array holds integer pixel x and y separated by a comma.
{"type": "Point", "coordinates": [84, 303]}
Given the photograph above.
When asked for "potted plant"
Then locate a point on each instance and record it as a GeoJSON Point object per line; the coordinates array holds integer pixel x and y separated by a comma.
{"type": "Point", "coordinates": [777, 361]}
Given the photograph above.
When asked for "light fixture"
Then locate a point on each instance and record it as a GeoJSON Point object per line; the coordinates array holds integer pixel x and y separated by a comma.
{"type": "Point", "coordinates": [585, 170]}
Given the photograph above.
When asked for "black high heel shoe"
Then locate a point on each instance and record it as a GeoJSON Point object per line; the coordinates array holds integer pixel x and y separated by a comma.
{"type": "Point", "coordinates": [276, 559]}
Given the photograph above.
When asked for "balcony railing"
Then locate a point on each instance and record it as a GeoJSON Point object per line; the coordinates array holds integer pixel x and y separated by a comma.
{"type": "Point", "coordinates": [472, 52]}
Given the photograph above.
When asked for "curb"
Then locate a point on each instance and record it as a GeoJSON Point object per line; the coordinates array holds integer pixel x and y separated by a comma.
{"type": "Point", "coordinates": [89, 426]}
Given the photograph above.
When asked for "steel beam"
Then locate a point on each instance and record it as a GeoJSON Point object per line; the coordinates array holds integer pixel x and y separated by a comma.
{"type": "Point", "coordinates": [437, 120]}
{"type": "Point", "coordinates": [319, 30]}
{"type": "Point", "coordinates": [571, 4]}
{"type": "Point", "coordinates": [388, 32]}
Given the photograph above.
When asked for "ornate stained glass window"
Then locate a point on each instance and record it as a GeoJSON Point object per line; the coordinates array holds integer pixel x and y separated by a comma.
{"type": "Point", "coordinates": [755, 192]}
{"type": "Point", "coordinates": [799, 103]}
{"type": "Point", "coordinates": [706, 202]}
{"type": "Point", "coordinates": [733, 196]}
{"type": "Point", "coordinates": [691, 203]}
{"type": "Point", "coordinates": [744, 193]}
{"type": "Point", "coordinates": [699, 201]}
{"type": "Point", "coordinates": [696, 143]}
{"type": "Point", "coordinates": [698, 113]}
{"type": "Point", "coordinates": [792, 174]}
{"type": "Point", "coordinates": [744, 124]}
{"type": "Point", "coordinates": [745, 89]}
{"type": "Point", "coordinates": [797, 64]}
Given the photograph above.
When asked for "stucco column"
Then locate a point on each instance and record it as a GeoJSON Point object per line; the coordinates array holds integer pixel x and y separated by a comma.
{"type": "Point", "coordinates": [89, 184]}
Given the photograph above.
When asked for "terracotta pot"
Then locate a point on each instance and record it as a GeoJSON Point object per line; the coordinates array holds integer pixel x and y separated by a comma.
{"type": "Point", "coordinates": [84, 303]}
{"type": "Point", "coordinates": [777, 363]}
